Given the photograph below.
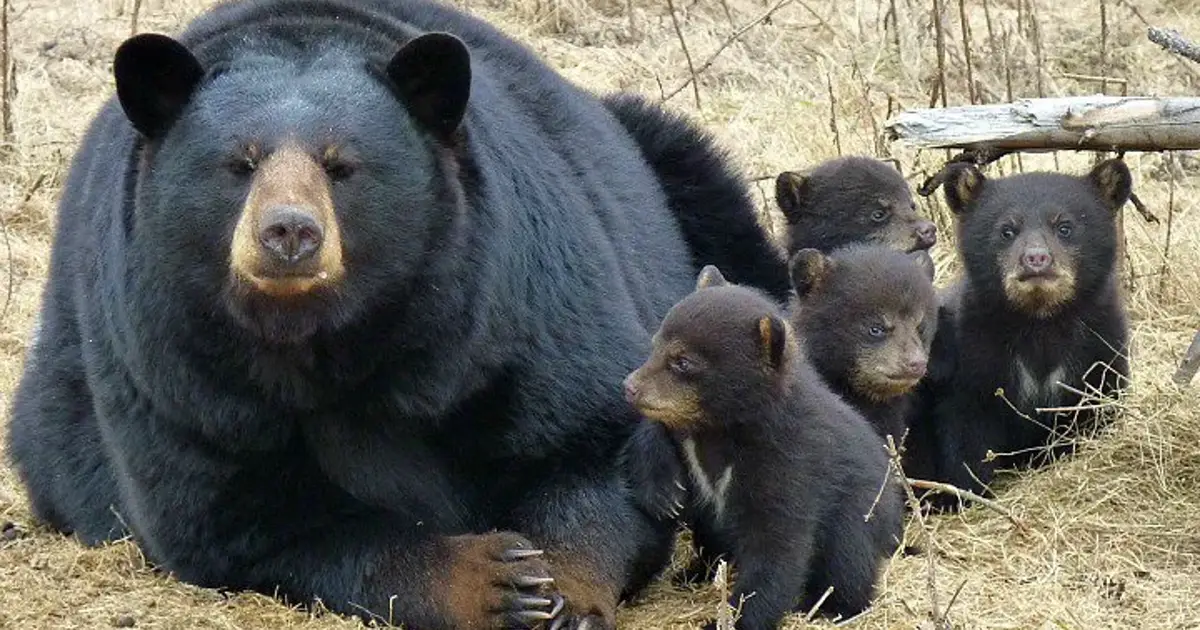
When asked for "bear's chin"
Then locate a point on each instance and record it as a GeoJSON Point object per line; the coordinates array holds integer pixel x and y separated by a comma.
{"type": "Point", "coordinates": [290, 320]}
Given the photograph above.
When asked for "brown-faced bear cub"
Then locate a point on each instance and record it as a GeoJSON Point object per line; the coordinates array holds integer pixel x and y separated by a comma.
{"type": "Point", "coordinates": [782, 470]}
{"type": "Point", "coordinates": [1037, 309]}
{"type": "Point", "coordinates": [867, 316]}
{"type": "Point", "coordinates": [849, 200]}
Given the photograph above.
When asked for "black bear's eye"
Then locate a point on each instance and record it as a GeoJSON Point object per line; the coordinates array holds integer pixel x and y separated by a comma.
{"type": "Point", "coordinates": [338, 171]}
{"type": "Point", "coordinates": [1064, 229]}
{"type": "Point", "coordinates": [877, 331]}
{"type": "Point", "coordinates": [681, 365]}
{"type": "Point", "coordinates": [1008, 232]}
{"type": "Point", "coordinates": [336, 166]}
{"type": "Point", "coordinates": [880, 215]}
{"type": "Point", "coordinates": [245, 161]}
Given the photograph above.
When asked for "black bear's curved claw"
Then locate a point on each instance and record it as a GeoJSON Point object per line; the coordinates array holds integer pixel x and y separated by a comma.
{"type": "Point", "coordinates": [530, 616]}
{"type": "Point", "coordinates": [529, 581]}
{"type": "Point", "coordinates": [527, 603]}
{"type": "Point", "coordinates": [514, 555]}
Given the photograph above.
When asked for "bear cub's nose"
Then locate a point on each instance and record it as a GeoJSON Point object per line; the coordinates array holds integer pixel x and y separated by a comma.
{"type": "Point", "coordinates": [1037, 259]}
{"type": "Point", "coordinates": [290, 234]}
{"type": "Point", "coordinates": [926, 234]}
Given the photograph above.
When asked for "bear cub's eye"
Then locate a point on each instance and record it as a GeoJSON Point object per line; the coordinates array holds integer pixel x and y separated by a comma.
{"type": "Point", "coordinates": [1008, 232]}
{"type": "Point", "coordinates": [1064, 229]}
{"type": "Point", "coordinates": [881, 214]}
{"type": "Point", "coordinates": [681, 365]}
{"type": "Point", "coordinates": [877, 331]}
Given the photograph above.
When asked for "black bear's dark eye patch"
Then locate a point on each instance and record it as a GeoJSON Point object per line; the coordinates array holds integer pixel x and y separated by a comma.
{"type": "Point", "coordinates": [1064, 229]}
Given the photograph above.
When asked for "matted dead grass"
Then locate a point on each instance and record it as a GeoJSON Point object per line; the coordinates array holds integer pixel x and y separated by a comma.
{"type": "Point", "coordinates": [1113, 536]}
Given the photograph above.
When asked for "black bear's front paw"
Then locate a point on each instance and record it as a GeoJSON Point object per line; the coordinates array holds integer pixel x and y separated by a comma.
{"type": "Point", "coordinates": [499, 580]}
{"type": "Point", "coordinates": [655, 474]}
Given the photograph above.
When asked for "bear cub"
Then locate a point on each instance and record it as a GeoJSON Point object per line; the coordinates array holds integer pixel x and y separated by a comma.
{"type": "Point", "coordinates": [782, 470]}
{"type": "Point", "coordinates": [867, 315]}
{"type": "Point", "coordinates": [847, 200]}
{"type": "Point", "coordinates": [1037, 315]}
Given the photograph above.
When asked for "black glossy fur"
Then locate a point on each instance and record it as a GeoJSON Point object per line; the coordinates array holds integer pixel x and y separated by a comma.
{"type": "Point", "coordinates": [986, 342]}
{"type": "Point", "coordinates": [696, 174]}
{"type": "Point", "coordinates": [803, 467]}
{"type": "Point", "coordinates": [866, 308]}
{"type": "Point", "coordinates": [504, 270]}
{"type": "Point", "coordinates": [849, 200]}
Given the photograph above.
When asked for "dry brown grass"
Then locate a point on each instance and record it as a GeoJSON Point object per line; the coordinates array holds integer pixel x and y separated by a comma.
{"type": "Point", "coordinates": [1115, 536]}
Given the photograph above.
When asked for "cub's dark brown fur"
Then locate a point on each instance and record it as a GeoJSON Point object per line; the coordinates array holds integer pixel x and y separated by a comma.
{"type": "Point", "coordinates": [848, 200]}
{"type": "Point", "coordinates": [867, 315]}
{"type": "Point", "coordinates": [782, 470]}
{"type": "Point", "coordinates": [1037, 309]}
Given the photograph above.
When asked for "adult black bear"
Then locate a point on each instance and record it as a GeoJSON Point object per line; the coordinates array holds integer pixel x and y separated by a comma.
{"type": "Point", "coordinates": [339, 307]}
{"type": "Point", "coordinates": [782, 470]}
{"type": "Point", "coordinates": [847, 200]}
{"type": "Point", "coordinates": [867, 315]}
{"type": "Point", "coordinates": [1038, 308]}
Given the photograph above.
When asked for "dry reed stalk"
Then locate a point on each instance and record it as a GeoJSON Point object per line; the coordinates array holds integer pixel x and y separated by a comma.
{"type": "Point", "coordinates": [966, 42]}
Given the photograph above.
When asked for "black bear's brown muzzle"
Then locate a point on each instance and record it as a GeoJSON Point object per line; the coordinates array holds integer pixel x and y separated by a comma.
{"type": "Point", "coordinates": [286, 241]}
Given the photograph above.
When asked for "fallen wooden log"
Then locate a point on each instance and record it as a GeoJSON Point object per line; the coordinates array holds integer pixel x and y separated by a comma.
{"type": "Point", "coordinates": [1096, 123]}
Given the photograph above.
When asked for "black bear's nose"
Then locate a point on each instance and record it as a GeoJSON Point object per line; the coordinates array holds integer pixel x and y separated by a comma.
{"type": "Point", "coordinates": [926, 234]}
{"type": "Point", "coordinates": [290, 234]}
{"type": "Point", "coordinates": [1037, 259]}
{"type": "Point", "coordinates": [631, 390]}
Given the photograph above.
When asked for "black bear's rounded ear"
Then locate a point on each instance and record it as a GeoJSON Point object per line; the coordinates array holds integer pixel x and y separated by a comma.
{"type": "Point", "coordinates": [433, 74]}
{"type": "Point", "coordinates": [924, 262]}
{"type": "Point", "coordinates": [710, 276]}
{"type": "Point", "coordinates": [808, 269]}
{"type": "Point", "coordinates": [963, 183]}
{"type": "Point", "coordinates": [772, 338]}
{"type": "Point", "coordinates": [790, 189]}
{"type": "Point", "coordinates": [155, 77]}
{"type": "Point", "coordinates": [1114, 182]}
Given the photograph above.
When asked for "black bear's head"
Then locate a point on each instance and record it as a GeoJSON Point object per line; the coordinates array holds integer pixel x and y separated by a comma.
{"type": "Point", "coordinates": [296, 192]}
{"type": "Point", "coordinates": [721, 350]}
{"type": "Point", "coordinates": [1039, 242]}
{"type": "Point", "coordinates": [849, 200]}
{"type": "Point", "coordinates": [867, 315]}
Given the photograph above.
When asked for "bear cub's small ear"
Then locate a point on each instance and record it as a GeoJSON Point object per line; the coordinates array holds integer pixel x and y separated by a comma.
{"type": "Point", "coordinates": [924, 262]}
{"type": "Point", "coordinates": [790, 190]}
{"type": "Point", "coordinates": [808, 269]}
{"type": "Point", "coordinates": [772, 338]}
{"type": "Point", "coordinates": [1114, 182]}
{"type": "Point", "coordinates": [433, 74]}
{"type": "Point", "coordinates": [155, 77]}
{"type": "Point", "coordinates": [963, 183]}
{"type": "Point", "coordinates": [710, 276]}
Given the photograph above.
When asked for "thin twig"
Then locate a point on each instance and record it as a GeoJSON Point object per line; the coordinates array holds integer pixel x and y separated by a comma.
{"type": "Point", "coordinates": [133, 21]}
{"type": "Point", "coordinates": [6, 125]}
{"type": "Point", "coordinates": [687, 55]}
{"type": "Point", "coordinates": [1173, 41]}
{"type": "Point", "coordinates": [833, 126]}
{"type": "Point", "coordinates": [725, 44]}
{"type": "Point", "coordinates": [1190, 363]}
{"type": "Point", "coordinates": [1166, 260]}
{"type": "Point", "coordinates": [1103, 45]}
{"type": "Point", "coordinates": [966, 39]}
{"type": "Point", "coordinates": [914, 505]}
{"type": "Point", "coordinates": [941, 48]}
{"type": "Point", "coordinates": [967, 495]}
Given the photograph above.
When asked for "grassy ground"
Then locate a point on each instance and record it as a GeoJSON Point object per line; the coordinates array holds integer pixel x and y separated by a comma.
{"type": "Point", "coordinates": [1113, 536]}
